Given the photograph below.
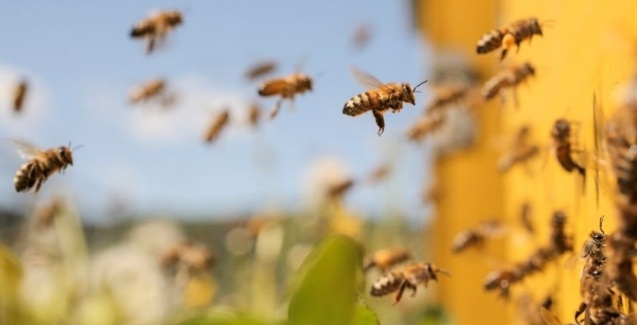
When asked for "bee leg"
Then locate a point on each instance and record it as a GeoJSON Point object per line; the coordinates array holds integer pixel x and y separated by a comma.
{"type": "Point", "coordinates": [276, 109]}
{"type": "Point", "coordinates": [579, 311]}
{"type": "Point", "coordinates": [414, 289]}
{"type": "Point", "coordinates": [503, 54]}
{"type": "Point", "coordinates": [516, 102]}
{"type": "Point", "coordinates": [380, 121]}
{"type": "Point", "coordinates": [38, 183]}
{"type": "Point", "coordinates": [150, 44]}
{"type": "Point", "coordinates": [401, 289]}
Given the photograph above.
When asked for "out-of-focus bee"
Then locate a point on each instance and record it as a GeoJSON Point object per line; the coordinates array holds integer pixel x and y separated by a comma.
{"type": "Point", "coordinates": [508, 78]}
{"type": "Point", "coordinates": [425, 125]}
{"type": "Point", "coordinates": [361, 36]}
{"type": "Point", "coordinates": [260, 69]}
{"type": "Point", "coordinates": [509, 36]}
{"type": "Point", "coordinates": [476, 236]}
{"type": "Point", "coordinates": [337, 190]}
{"type": "Point", "coordinates": [254, 114]}
{"type": "Point", "coordinates": [286, 87]}
{"type": "Point", "coordinates": [530, 311]}
{"type": "Point", "coordinates": [526, 218]}
{"type": "Point", "coordinates": [561, 134]}
{"type": "Point", "coordinates": [559, 244]}
{"type": "Point", "coordinates": [409, 277]}
{"type": "Point", "coordinates": [156, 27]}
{"type": "Point", "coordinates": [216, 126]}
{"type": "Point", "coordinates": [40, 165]}
{"type": "Point", "coordinates": [153, 90]}
{"type": "Point", "coordinates": [520, 150]}
{"type": "Point", "coordinates": [385, 259]}
{"type": "Point", "coordinates": [379, 173]}
{"type": "Point", "coordinates": [445, 96]}
{"type": "Point", "coordinates": [188, 256]}
{"type": "Point", "coordinates": [19, 93]}
{"type": "Point", "coordinates": [380, 99]}
{"type": "Point", "coordinates": [46, 214]}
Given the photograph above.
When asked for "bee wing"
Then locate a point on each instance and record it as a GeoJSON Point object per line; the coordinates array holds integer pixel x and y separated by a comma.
{"type": "Point", "coordinates": [26, 149]}
{"type": "Point", "coordinates": [366, 80]}
{"type": "Point", "coordinates": [573, 260]}
{"type": "Point", "coordinates": [548, 317]}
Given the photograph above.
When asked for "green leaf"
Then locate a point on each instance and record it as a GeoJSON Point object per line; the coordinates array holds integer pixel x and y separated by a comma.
{"type": "Point", "coordinates": [221, 318]}
{"type": "Point", "coordinates": [363, 315]}
{"type": "Point", "coordinates": [326, 293]}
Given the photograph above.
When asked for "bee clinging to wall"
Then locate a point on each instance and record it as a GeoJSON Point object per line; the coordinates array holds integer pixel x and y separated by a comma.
{"type": "Point", "coordinates": [475, 237]}
{"type": "Point", "coordinates": [19, 94]}
{"type": "Point", "coordinates": [216, 126]}
{"type": "Point", "coordinates": [152, 90]}
{"type": "Point", "coordinates": [425, 125]}
{"type": "Point", "coordinates": [260, 69]}
{"type": "Point", "coordinates": [381, 98]}
{"type": "Point", "coordinates": [385, 259]}
{"type": "Point", "coordinates": [519, 151]}
{"type": "Point", "coordinates": [508, 78]}
{"type": "Point", "coordinates": [156, 27]}
{"type": "Point", "coordinates": [409, 277]}
{"type": "Point", "coordinates": [562, 139]}
{"type": "Point", "coordinates": [41, 165]}
{"type": "Point", "coordinates": [508, 36]}
{"type": "Point", "coordinates": [286, 87]}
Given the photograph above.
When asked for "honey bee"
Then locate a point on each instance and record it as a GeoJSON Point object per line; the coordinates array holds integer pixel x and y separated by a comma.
{"type": "Point", "coordinates": [254, 114]}
{"type": "Point", "coordinates": [260, 69]}
{"type": "Point", "coordinates": [156, 27]}
{"type": "Point", "coordinates": [476, 236]}
{"type": "Point", "coordinates": [507, 78]}
{"type": "Point", "coordinates": [286, 87]}
{"type": "Point", "coordinates": [217, 125]}
{"type": "Point", "coordinates": [19, 93]}
{"type": "Point", "coordinates": [40, 165]}
{"type": "Point", "coordinates": [559, 244]}
{"type": "Point", "coordinates": [188, 256]}
{"type": "Point", "coordinates": [445, 96]}
{"type": "Point", "coordinates": [155, 89]}
{"type": "Point", "coordinates": [380, 99]}
{"type": "Point", "coordinates": [508, 36]}
{"type": "Point", "coordinates": [425, 125]}
{"type": "Point", "coordinates": [361, 36]}
{"type": "Point", "coordinates": [561, 134]}
{"type": "Point", "coordinates": [409, 277]}
{"type": "Point", "coordinates": [520, 151]}
{"type": "Point", "coordinates": [385, 259]}
{"type": "Point", "coordinates": [337, 190]}
{"type": "Point", "coordinates": [379, 173]}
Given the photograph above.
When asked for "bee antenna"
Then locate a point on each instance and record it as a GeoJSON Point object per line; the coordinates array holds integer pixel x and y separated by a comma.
{"type": "Point", "coordinates": [601, 221]}
{"type": "Point", "coordinates": [76, 147]}
{"type": "Point", "coordinates": [547, 23]}
{"type": "Point", "coordinates": [418, 85]}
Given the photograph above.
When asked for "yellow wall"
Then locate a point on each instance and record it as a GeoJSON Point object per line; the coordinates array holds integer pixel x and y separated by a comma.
{"type": "Point", "coordinates": [589, 48]}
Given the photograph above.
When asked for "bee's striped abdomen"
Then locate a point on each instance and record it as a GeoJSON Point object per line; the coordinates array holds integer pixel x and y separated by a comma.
{"type": "Point", "coordinates": [387, 284]}
{"type": "Point", "coordinates": [490, 42]}
{"type": "Point", "coordinates": [24, 179]}
{"type": "Point", "coordinates": [357, 105]}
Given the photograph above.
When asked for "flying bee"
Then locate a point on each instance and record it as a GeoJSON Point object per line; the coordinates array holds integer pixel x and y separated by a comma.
{"type": "Point", "coordinates": [445, 96]}
{"type": "Point", "coordinates": [561, 134]}
{"type": "Point", "coordinates": [254, 114]}
{"type": "Point", "coordinates": [156, 27]}
{"type": "Point", "coordinates": [188, 256]}
{"type": "Point", "coordinates": [152, 90]}
{"type": "Point", "coordinates": [381, 98]}
{"type": "Point", "coordinates": [409, 277]}
{"type": "Point", "coordinates": [379, 173]}
{"type": "Point", "coordinates": [217, 125]}
{"type": "Point", "coordinates": [508, 78]}
{"type": "Point", "coordinates": [476, 236]}
{"type": "Point", "coordinates": [508, 36]}
{"type": "Point", "coordinates": [260, 69]}
{"type": "Point", "coordinates": [19, 93]}
{"type": "Point", "coordinates": [385, 259]}
{"type": "Point", "coordinates": [520, 151]}
{"type": "Point", "coordinates": [286, 87]}
{"type": "Point", "coordinates": [361, 36]}
{"type": "Point", "coordinates": [41, 165]}
{"type": "Point", "coordinates": [426, 125]}
{"type": "Point", "coordinates": [337, 190]}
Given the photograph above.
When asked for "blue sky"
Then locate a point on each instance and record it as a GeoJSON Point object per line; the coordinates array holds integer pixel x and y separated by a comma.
{"type": "Point", "coordinates": [81, 64]}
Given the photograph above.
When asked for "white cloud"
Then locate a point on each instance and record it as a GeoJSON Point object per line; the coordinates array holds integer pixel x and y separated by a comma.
{"type": "Point", "coordinates": [36, 106]}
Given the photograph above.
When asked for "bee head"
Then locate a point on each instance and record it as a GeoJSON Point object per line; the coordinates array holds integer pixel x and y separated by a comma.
{"type": "Point", "coordinates": [562, 128]}
{"type": "Point", "coordinates": [408, 92]}
{"type": "Point", "coordinates": [65, 154]}
{"type": "Point", "coordinates": [536, 27]}
{"type": "Point", "coordinates": [528, 69]}
{"type": "Point", "coordinates": [173, 17]}
{"type": "Point", "coordinates": [306, 82]}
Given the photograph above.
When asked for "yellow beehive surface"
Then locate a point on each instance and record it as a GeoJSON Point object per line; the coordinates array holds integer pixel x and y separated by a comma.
{"type": "Point", "coordinates": [589, 49]}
